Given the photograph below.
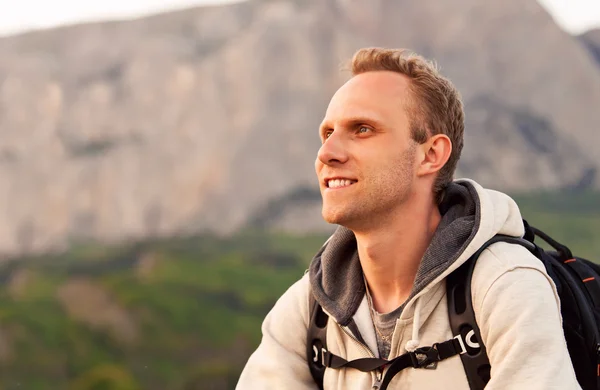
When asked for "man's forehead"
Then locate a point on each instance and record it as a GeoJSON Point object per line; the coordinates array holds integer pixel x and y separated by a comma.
{"type": "Point", "coordinates": [388, 83]}
{"type": "Point", "coordinates": [369, 92]}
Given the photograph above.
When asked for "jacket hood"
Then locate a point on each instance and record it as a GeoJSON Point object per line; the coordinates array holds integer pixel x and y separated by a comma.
{"type": "Point", "coordinates": [470, 216]}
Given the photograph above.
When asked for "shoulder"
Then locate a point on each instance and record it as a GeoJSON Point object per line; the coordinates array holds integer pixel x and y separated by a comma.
{"type": "Point", "coordinates": [294, 303]}
{"type": "Point", "coordinates": [286, 323]}
{"type": "Point", "coordinates": [279, 362]}
{"type": "Point", "coordinates": [509, 269]}
{"type": "Point", "coordinates": [517, 309]}
{"type": "Point", "coordinates": [502, 257]}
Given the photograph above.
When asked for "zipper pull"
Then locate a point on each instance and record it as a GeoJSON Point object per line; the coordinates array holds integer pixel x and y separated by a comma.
{"type": "Point", "coordinates": [378, 381]}
{"type": "Point", "coordinates": [377, 384]}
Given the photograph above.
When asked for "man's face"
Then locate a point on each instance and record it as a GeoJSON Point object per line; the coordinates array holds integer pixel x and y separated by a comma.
{"type": "Point", "coordinates": [366, 164]}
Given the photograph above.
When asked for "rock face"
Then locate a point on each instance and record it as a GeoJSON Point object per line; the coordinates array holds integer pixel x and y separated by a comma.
{"type": "Point", "coordinates": [200, 119]}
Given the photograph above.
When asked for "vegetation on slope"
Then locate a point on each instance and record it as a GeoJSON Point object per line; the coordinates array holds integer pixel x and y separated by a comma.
{"type": "Point", "coordinates": [179, 314]}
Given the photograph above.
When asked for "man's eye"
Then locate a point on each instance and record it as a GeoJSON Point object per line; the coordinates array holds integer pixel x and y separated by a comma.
{"type": "Point", "coordinates": [363, 129]}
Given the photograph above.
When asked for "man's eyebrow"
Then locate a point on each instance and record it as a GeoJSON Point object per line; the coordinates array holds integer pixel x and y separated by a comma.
{"type": "Point", "coordinates": [359, 120]}
{"type": "Point", "coordinates": [352, 121]}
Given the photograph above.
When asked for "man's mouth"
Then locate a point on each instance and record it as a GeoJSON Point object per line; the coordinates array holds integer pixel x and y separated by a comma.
{"type": "Point", "coordinates": [339, 183]}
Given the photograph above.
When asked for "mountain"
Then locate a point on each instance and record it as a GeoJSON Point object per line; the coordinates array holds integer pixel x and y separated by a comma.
{"type": "Point", "coordinates": [203, 119]}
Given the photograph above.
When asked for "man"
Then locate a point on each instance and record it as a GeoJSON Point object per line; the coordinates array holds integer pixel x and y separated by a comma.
{"type": "Point", "coordinates": [391, 139]}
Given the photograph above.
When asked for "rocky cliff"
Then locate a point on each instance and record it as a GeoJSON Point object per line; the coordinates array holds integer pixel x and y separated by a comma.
{"type": "Point", "coordinates": [207, 118]}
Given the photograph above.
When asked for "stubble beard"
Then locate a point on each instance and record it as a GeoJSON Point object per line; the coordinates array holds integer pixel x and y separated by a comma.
{"type": "Point", "coordinates": [381, 194]}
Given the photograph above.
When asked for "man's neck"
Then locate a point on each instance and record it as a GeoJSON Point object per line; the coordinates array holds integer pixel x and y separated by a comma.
{"type": "Point", "coordinates": [390, 254]}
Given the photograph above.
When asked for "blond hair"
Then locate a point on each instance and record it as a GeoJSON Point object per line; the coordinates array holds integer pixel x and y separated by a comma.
{"type": "Point", "coordinates": [435, 106]}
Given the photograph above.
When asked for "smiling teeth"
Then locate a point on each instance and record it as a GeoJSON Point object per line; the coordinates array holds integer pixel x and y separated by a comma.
{"type": "Point", "coordinates": [339, 183]}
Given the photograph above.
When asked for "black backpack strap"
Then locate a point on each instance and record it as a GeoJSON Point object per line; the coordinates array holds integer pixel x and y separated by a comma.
{"type": "Point", "coordinates": [580, 267]}
{"type": "Point", "coordinates": [319, 357]}
{"type": "Point", "coordinates": [578, 284]}
{"type": "Point", "coordinates": [462, 317]}
{"type": "Point", "coordinates": [424, 357]}
{"type": "Point", "coordinates": [316, 341]}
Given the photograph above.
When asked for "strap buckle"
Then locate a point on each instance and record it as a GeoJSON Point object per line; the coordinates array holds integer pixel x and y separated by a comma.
{"type": "Point", "coordinates": [321, 356]}
{"type": "Point", "coordinates": [461, 344]}
{"type": "Point", "coordinates": [425, 357]}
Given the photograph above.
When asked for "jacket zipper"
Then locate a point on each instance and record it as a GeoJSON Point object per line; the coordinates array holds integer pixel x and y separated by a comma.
{"type": "Point", "coordinates": [378, 380]}
{"type": "Point", "coordinates": [378, 377]}
{"type": "Point", "coordinates": [364, 347]}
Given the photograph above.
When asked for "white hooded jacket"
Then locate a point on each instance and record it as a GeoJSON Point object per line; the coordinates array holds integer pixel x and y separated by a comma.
{"type": "Point", "coordinates": [515, 303]}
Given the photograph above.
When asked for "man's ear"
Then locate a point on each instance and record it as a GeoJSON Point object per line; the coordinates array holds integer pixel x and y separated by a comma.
{"type": "Point", "coordinates": [435, 153]}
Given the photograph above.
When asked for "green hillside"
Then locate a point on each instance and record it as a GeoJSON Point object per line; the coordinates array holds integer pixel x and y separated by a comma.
{"type": "Point", "coordinates": [178, 314]}
{"type": "Point", "coordinates": [571, 218]}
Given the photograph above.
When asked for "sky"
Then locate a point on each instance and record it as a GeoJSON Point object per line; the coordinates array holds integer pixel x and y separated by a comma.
{"type": "Point", "coordinates": [574, 16]}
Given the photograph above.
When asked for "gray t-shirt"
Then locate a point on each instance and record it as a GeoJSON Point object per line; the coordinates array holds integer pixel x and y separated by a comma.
{"type": "Point", "coordinates": [385, 323]}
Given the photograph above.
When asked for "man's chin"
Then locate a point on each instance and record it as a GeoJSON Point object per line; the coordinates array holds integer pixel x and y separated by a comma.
{"type": "Point", "coordinates": [350, 219]}
{"type": "Point", "coordinates": [335, 217]}
{"type": "Point", "coordinates": [329, 217]}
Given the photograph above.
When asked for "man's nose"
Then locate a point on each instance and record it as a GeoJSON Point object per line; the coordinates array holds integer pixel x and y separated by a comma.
{"type": "Point", "coordinates": [333, 150]}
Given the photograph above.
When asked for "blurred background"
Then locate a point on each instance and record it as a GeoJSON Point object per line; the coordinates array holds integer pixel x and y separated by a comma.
{"type": "Point", "coordinates": [157, 186]}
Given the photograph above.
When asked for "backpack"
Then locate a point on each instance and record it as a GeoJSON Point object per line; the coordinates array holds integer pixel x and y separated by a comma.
{"type": "Point", "coordinates": [578, 285]}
